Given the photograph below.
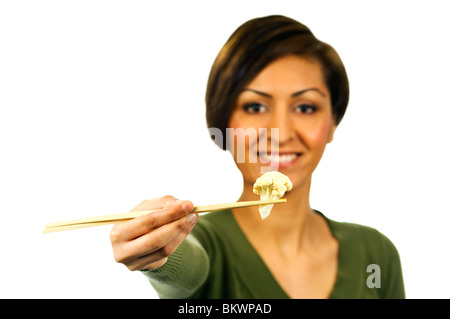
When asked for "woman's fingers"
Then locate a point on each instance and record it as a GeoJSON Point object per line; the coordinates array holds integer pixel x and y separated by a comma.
{"type": "Point", "coordinates": [146, 241]}
{"type": "Point", "coordinates": [157, 245]}
{"type": "Point", "coordinates": [142, 225]}
{"type": "Point", "coordinates": [159, 256]}
{"type": "Point", "coordinates": [160, 238]}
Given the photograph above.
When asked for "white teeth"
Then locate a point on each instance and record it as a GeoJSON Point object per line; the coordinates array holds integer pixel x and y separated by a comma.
{"type": "Point", "coordinates": [276, 158]}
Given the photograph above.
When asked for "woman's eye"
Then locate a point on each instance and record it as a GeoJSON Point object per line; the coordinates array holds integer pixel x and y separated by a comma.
{"type": "Point", "coordinates": [306, 108]}
{"type": "Point", "coordinates": [254, 108]}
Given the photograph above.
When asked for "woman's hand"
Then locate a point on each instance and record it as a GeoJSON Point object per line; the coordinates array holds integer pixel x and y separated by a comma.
{"type": "Point", "coordinates": [145, 242]}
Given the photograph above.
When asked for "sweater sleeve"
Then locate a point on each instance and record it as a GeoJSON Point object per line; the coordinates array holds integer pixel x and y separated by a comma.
{"type": "Point", "coordinates": [184, 272]}
{"type": "Point", "coordinates": [380, 250]}
{"type": "Point", "coordinates": [395, 286]}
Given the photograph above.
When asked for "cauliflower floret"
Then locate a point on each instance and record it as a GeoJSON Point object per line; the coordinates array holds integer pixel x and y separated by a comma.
{"type": "Point", "coordinates": [271, 185]}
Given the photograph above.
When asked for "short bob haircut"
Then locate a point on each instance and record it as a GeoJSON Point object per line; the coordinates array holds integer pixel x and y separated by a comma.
{"type": "Point", "coordinates": [253, 46]}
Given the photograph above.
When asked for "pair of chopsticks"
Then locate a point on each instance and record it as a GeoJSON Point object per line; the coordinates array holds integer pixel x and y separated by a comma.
{"type": "Point", "coordinates": [112, 219]}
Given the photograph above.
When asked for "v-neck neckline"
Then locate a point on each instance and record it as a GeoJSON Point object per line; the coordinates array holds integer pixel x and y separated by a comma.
{"type": "Point", "coordinates": [252, 265]}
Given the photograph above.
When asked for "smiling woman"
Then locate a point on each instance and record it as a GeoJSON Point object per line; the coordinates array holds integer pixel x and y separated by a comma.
{"type": "Point", "coordinates": [256, 44]}
{"type": "Point", "coordinates": [298, 107]}
{"type": "Point", "coordinates": [273, 77]}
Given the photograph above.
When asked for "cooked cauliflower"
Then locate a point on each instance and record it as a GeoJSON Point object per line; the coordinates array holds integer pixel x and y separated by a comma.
{"type": "Point", "coordinates": [271, 185]}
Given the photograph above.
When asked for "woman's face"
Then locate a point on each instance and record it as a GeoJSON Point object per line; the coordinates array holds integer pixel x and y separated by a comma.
{"type": "Point", "coordinates": [290, 95]}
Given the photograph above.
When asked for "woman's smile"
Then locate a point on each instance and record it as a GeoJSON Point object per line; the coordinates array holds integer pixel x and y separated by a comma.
{"type": "Point", "coordinates": [282, 160]}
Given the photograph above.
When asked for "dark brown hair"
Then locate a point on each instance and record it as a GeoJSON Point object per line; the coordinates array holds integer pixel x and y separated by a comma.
{"type": "Point", "coordinates": [253, 46]}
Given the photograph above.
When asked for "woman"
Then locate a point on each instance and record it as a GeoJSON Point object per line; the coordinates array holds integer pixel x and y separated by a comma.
{"type": "Point", "coordinates": [272, 73]}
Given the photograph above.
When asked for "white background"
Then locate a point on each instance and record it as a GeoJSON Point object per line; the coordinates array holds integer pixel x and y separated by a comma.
{"type": "Point", "coordinates": [102, 106]}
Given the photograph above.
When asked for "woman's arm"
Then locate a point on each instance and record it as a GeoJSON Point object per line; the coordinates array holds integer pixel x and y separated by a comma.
{"type": "Point", "coordinates": [183, 273]}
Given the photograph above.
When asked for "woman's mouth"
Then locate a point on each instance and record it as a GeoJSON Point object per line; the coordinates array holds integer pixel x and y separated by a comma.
{"type": "Point", "coordinates": [280, 160]}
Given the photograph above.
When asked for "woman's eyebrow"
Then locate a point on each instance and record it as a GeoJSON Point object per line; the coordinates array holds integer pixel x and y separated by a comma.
{"type": "Point", "coordinates": [306, 90]}
{"type": "Point", "coordinates": [258, 92]}
{"type": "Point", "coordinates": [292, 95]}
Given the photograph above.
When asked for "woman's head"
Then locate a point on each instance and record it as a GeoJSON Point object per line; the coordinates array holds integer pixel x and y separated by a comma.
{"type": "Point", "coordinates": [252, 47]}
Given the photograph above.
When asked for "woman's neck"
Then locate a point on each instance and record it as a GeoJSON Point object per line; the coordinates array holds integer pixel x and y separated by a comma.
{"type": "Point", "coordinates": [288, 225]}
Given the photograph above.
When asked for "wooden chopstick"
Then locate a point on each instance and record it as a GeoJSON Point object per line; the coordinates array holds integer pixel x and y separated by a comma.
{"type": "Point", "coordinates": [76, 226]}
{"type": "Point", "coordinates": [112, 219]}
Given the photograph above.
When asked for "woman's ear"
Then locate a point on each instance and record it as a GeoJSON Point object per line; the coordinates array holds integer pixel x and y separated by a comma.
{"type": "Point", "coordinates": [331, 133]}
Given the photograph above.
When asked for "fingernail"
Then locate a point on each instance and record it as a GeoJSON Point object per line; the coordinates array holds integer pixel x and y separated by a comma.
{"type": "Point", "coordinates": [192, 218]}
{"type": "Point", "coordinates": [187, 207]}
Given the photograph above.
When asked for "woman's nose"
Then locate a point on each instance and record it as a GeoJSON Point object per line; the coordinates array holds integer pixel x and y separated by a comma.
{"type": "Point", "coordinates": [282, 124]}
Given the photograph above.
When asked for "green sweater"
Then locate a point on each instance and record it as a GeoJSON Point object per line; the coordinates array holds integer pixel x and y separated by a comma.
{"type": "Point", "coordinates": [217, 261]}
